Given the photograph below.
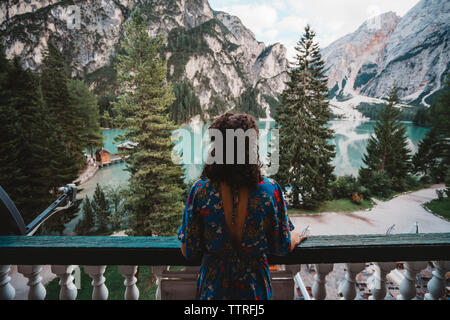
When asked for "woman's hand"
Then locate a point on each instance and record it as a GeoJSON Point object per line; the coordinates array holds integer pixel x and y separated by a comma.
{"type": "Point", "coordinates": [183, 250]}
{"type": "Point", "coordinates": [296, 239]}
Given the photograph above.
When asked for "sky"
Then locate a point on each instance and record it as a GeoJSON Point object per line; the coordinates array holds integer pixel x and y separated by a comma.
{"type": "Point", "coordinates": [284, 20]}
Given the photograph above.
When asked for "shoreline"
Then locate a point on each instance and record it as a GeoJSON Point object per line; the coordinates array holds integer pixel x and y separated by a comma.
{"type": "Point", "coordinates": [89, 171]}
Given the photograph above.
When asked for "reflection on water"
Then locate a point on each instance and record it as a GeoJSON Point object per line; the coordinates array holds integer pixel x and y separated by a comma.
{"type": "Point", "coordinates": [351, 139]}
{"type": "Point", "coordinates": [108, 141]}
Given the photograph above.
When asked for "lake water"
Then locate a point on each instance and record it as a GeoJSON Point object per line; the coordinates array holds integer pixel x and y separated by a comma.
{"type": "Point", "coordinates": [351, 139]}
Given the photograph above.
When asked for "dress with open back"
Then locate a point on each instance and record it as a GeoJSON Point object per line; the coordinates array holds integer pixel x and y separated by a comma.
{"type": "Point", "coordinates": [230, 270]}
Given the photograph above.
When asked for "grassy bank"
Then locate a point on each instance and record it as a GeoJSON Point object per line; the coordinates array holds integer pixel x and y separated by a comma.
{"type": "Point", "coordinates": [440, 207]}
{"type": "Point", "coordinates": [341, 205]}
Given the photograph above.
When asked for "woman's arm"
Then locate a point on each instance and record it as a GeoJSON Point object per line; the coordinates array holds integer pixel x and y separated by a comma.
{"type": "Point", "coordinates": [296, 239]}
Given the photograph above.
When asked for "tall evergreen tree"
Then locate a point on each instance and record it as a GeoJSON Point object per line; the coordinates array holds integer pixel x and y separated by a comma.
{"type": "Point", "coordinates": [387, 150]}
{"type": "Point", "coordinates": [155, 202]}
{"type": "Point", "coordinates": [439, 113]}
{"type": "Point", "coordinates": [87, 222]}
{"type": "Point", "coordinates": [66, 145]}
{"type": "Point", "coordinates": [433, 156]}
{"type": "Point", "coordinates": [85, 104]}
{"type": "Point", "coordinates": [24, 173]}
{"type": "Point", "coordinates": [305, 152]}
{"type": "Point", "coordinates": [430, 158]}
{"type": "Point", "coordinates": [116, 196]}
{"type": "Point", "coordinates": [9, 131]}
{"type": "Point", "coordinates": [102, 209]}
{"type": "Point", "coordinates": [33, 155]}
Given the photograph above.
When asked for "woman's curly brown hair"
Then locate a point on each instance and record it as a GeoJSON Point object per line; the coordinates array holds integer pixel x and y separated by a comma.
{"type": "Point", "coordinates": [235, 175]}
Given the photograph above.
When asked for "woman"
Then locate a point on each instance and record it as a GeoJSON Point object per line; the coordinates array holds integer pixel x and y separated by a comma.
{"type": "Point", "coordinates": [233, 218]}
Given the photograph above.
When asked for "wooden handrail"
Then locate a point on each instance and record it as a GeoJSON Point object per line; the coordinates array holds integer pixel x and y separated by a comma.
{"type": "Point", "coordinates": [68, 250]}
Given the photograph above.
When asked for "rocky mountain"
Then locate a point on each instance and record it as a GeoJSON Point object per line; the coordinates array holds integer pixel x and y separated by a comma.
{"type": "Point", "coordinates": [412, 51]}
{"type": "Point", "coordinates": [212, 53]}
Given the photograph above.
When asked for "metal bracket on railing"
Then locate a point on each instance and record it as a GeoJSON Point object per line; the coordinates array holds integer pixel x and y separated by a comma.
{"type": "Point", "coordinates": [306, 231]}
{"type": "Point", "coordinates": [11, 221]}
{"type": "Point", "coordinates": [390, 230]}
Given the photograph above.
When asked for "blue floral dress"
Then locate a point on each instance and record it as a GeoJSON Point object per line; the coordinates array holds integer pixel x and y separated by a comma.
{"type": "Point", "coordinates": [226, 272]}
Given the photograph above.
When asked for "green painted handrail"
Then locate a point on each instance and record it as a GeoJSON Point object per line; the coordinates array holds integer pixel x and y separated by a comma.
{"type": "Point", "coordinates": [64, 250]}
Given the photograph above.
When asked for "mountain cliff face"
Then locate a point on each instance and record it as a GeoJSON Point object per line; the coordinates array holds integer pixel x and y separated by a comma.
{"type": "Point", "coordinates": [354, 59]}
{"type": "Point", "coordinates": [412, 52]}
{"type": "Point", "coordinates": [219, 58]}
{"type": "Point", "coordinates": [216, 59]}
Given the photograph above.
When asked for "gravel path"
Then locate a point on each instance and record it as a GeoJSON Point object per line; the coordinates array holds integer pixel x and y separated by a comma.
{"type": "Point", "coordinates": [403, 211]}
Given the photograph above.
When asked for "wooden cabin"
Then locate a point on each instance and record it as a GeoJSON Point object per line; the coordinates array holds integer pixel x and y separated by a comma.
{"type": "Point", "coordinates": [103, 157]}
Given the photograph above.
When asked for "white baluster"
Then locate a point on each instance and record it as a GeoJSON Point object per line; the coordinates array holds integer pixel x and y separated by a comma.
{"type": "Point", "coordinates": [348, 286]}
{"type": "Point", "coordinates": [36, 291]}
{"type": "Point", "coordinates": [381, 270]}
{"type": "Point", "coordinates": [408, 284]}
{"type": "Point", "coordinates": [68, 289]}
{"type": "Point", "coordinates": [436, 286]}
{"type": "Point", "coordinates": [319, 290]}
{"type": "Point", "coordinates": [157, 271]}
{"type": "Point", "coordinates": [100, 291]}
{"type": "Point", "coordinates": [7, 291]}
{"type": "Point", "coordinates": [131, 290]}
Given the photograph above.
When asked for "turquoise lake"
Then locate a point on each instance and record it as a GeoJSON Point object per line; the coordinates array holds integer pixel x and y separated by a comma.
{"type": "Point", "coordinates": [351, 139]}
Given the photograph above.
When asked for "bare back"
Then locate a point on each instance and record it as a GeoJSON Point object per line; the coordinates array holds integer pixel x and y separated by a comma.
{"type": "Point", "coordinates": [235, 222]}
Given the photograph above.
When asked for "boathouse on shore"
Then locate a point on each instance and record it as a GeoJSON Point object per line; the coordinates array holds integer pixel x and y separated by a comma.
{"type": "Point", "coordinates": [103, 157]}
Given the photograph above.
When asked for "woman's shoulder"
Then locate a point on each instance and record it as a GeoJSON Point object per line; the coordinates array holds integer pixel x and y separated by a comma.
{"type": "Point", "coordinates": [268, 184]}
{"type": "Point", "coordinates": [202, 184]}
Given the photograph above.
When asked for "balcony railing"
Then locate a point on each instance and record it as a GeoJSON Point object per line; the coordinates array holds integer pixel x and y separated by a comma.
{"type": "Point", "coordinates": [95, 253]}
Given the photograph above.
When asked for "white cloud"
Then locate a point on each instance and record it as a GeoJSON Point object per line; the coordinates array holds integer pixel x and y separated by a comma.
{"type": "Point", "coordinates": [279, 4]}
{"type": "Point", "coordinates": [272, 34]}
{"type": "Point", "coordinates": [292, 24]}
{"type": "Point", "coordinates": [258, 18]}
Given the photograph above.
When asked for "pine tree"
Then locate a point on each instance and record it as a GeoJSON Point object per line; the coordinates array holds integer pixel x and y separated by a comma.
{"type": "Point", "coordinates": [305, 153]}
{"type": "Point", "coordinates": [433, 157]}
{"type": "Point", "coordinates": [86, 106]}
{"type": "Point", "coordinates": [66, 145]}
{"type": "Point", "coordinates": [24, 173]}
{"type": "Point", "coordinates": [155, 203]}
{"type": "Point", "coordinates": [102, 209]}
{"type": "Point", "coordinates": [387, 150]}
{"type": "Point", "coordinates": [428, 156]}
{"type": "Point", "coordinates": [116, 196]}
{"type": "Point", "coordinates": [33, 148]}
{"type": "Point", "coordinates": [439, 113]}
{"type": "Point", "coordinates": [64, 142]}
{"type": "Point", "coordinates": [9, 132]}
{"type": "Point", "coordinates": [87, 222]}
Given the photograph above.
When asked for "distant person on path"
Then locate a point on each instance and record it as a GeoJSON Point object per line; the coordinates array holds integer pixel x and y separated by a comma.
{"type": "Point", "coordinates": [233, 218]}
